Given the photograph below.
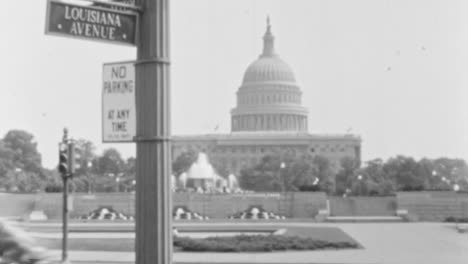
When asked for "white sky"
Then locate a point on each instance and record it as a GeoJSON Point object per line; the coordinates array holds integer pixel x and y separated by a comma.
{"type": "Point", "coordinates": [395, 71]}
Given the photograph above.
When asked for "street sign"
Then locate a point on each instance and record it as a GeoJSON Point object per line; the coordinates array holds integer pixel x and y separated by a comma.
{"type": "Point", "coordinates": [91, 22]}
{"type": "Point", "coordinates": [118, 102]}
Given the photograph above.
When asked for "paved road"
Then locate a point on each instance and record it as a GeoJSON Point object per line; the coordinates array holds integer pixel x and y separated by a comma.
{"type": "Point", "coordinates": [392, 243]}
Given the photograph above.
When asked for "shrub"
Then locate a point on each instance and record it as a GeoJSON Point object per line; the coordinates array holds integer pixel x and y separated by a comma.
{"type": "Point", "coordinates": [452, 219]}
{"type": "Point", "coordinates": [53, 188]}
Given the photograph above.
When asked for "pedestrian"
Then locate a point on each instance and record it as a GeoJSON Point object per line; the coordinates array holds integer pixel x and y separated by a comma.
{"type": "Point", "coordinates": [16, 246]}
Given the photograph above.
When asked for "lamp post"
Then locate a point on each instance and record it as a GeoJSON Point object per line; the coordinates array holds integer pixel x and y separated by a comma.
{"type": "Point", "coordinates": [359, 177]}
{"type": "Point", "coordinates": [456, 188]}
{"type": "Point", "coordinates": [434, 174]}
{"type": "Point", "coordinates": [110, 187]}
{"type": "Point", "coordinates": [89, 165]}
{"type": "Point", "coordinates": [283, 180]}
{"type": "Point", "coordinates": [133, 185]}
{"type": "Point", "coordinates": [117, 181]}
{"type": "Point", "coordinates": [17, 172]}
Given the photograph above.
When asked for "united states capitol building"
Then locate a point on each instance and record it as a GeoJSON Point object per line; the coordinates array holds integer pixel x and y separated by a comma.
{"type": "Point", "coordinates": [268, 118]}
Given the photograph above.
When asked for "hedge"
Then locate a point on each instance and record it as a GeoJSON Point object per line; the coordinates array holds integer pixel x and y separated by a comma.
{"type": "Point", "coordinates": [256, 243]}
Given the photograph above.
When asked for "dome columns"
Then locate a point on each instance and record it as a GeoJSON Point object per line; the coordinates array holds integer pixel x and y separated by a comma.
{"type": "Point", "coordinates": [269, 122]}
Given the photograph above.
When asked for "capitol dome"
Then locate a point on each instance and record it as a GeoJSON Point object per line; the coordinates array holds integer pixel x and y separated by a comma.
{"type": "Point", "coordinates": [267, 69]}
{"type": "Point", "coordinates": [269, 98]}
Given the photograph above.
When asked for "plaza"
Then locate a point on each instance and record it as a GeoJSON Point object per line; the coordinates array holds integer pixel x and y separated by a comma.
{"type": "Point", "coordinates": [398, 243]}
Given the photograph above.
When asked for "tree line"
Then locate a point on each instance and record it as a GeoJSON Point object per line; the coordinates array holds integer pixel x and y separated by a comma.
{"type": "Point", "coordinates": [375, 177]}
{"type": "Point", "coordinates": [21, 170]}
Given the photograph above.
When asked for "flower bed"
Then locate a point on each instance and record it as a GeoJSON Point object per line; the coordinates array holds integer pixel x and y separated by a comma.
{"type": "Point", "coordinates": [256, 212]}
{"type": "Point", "coordinates": [257, 243]}
{"type": "Point", "coordinates": [183, 213]}
{"type": "Point", "coordinates": [105, 213]}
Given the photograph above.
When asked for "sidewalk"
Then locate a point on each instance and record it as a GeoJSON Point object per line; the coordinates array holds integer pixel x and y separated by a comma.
{"type": "Point", "coordinates": [392, 243]}
{"type": "Point", "coordinates": [328, 257]}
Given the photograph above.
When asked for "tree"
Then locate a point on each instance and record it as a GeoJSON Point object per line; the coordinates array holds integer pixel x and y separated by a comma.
{"type": "Point", "coordinates": [104, 184]}
{"type": "Point", "coordinates": [87, 154]}
{"type": "Point", "coordinates": [375, 180]}
{"type": "Point", "coordinates": [448, 172]}
{"type": "Point", "coordinates": [110, 163]}
{"type": "Point", "coordinates": [345, 176]}
{"type": "Point", "coordinates": [20, 162]}
{"type": "Point", "coordinates": [129, 175]}
{"type": "Point", "coordinates": [298, 173]}
{"type": "Point", "coordinates": [323, 171]}
{"type": "Point", "coordinates": [6, 159]}
{"type": "Point", "coordinates": [263, 177]}
{"type": "Point", "coordinates": [53, 182]}
{"type": "Point", "coordinates": [183, 162]}
{"type": "Point", "coordinates": [220, 167]}
{"type": "Point", "coordinates": [404, 172]}
{"type": "Point", "coordinates": [83, 180]}
{"type": "Point", "coordinates": [108, 170]}
{"type": "Point", "coordinates": [130, 166]}
{"type": "Point", "coordinates": [24, 153]}
{"type": "Point", "coordinates": [425, 170]}
{"type": "Point", "coordinates": [23, 181]}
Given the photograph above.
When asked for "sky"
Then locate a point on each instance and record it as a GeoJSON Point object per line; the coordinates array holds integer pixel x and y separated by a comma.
{"type": "Point", "coordinates": [394, 72]}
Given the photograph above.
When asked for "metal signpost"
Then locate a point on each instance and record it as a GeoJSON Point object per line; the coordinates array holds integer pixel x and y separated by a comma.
{"type": "Point", "coordinates": [145, 25]}
{"type": "Point", "coordinates": [153, 163]}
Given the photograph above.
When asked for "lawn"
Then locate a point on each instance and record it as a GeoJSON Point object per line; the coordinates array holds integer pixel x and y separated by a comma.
{"type": "Point", "coordinates": [295, 238]}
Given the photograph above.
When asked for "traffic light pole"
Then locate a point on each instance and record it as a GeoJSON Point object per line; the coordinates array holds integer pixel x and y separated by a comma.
{"type": "Point", "coordinates": [153, 223]}
{"type": "Point", "coordinates": [65, 221]}
{"type": "Point", "coordinates": [65, 207]}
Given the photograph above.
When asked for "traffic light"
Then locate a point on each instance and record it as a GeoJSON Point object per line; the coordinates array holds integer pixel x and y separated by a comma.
{"type": "Point", "coordinates": [74, 157]}
{"type": "Point", "coordinates": [63, 159]}
{"type": "Point", "coordinates": [69, 158]}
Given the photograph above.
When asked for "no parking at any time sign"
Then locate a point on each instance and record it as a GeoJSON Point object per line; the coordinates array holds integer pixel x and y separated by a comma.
{"type": "Point", "coordinates": [118, 102]}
